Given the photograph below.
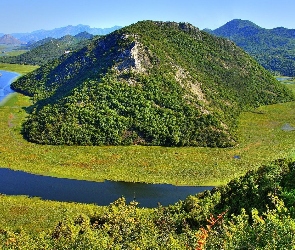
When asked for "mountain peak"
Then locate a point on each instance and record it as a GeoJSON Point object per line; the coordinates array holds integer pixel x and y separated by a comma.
{"type": "Point", "coordinates": [272, 48]}
{"type": "Point", "coordinates": [237, 26]}
{"type": "Point", "coordinates": [10, 40]}
{"type": "Point", "coordinates": [242, 23]}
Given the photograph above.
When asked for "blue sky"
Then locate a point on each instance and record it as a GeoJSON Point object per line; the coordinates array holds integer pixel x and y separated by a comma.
{"type": "Point", "coordinates": [30, 15]}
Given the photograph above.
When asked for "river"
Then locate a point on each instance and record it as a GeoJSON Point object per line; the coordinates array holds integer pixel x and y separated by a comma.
{"type": "Point", "coordinates": [6, 79]}
{"type": "Point", "coordinates": [100, 193]}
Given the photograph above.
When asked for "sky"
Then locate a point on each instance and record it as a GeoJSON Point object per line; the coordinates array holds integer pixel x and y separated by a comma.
{"type": "Point", "coordinates": [19, 16]}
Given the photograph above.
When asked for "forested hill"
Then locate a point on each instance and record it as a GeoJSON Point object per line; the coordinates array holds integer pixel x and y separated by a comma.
{"type": "Point", "coordinates": [151, 83]}
{"type": "Point", "coordinates": [48, 49]}
{"type": "Point", "coordinates": [272, 48]}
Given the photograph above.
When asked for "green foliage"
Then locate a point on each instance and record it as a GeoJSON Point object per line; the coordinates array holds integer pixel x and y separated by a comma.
{"type": "Point", "coordinates": [188, 89]}
{"type": "Point", "coordinates": [121, 226]}
{"type": "Point", "coordinates": [254, 215]}
{"type": "Point", "coordinates": [271, 230]}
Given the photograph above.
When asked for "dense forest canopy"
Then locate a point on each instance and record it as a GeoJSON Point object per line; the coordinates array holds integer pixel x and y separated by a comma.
{"type": "Point", "coordinates": [151, 83]}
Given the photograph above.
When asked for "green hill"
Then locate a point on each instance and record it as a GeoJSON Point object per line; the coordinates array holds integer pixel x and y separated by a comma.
{"type": "Point", "coordinates": [272, 48]}
{"type": "Point", "coordinates": [48, 49]}
{"type": "Point", "coordinates": [151, 83]}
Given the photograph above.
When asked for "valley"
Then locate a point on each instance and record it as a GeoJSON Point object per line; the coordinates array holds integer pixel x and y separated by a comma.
{"type": "Point", "coordinates": [247, 153]}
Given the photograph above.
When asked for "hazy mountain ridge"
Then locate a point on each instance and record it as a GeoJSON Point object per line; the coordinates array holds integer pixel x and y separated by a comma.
{"type": "Point", "coordinates": [48, 49]}
{"type": "Point", "coordinates": [151, 83]}
{"type": "Point", "coordinates": [272, 48]}
{"type": "Point", "coordinates": [63, 31]}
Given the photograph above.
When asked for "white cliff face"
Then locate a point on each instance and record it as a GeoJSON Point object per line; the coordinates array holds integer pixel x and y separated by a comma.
{"type": "Point", "coordinates": [135, 58]}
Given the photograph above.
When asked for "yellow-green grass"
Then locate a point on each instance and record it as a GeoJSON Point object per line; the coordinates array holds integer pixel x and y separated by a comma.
{"type": "Point", "coordinates": [34, 215]}
{"type": "Point", "coordinates": [19, 68]}
{"type": "Point", "coordinates": [261, 140]}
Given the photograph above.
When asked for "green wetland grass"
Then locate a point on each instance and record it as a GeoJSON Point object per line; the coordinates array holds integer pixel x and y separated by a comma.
{"type": "Point", "coordinates": [261, 140]}
{"type": "Point", "coordinates": [21, 69]}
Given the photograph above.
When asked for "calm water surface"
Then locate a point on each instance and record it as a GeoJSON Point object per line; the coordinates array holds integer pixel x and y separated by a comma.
{"type": "Point", "coordinates": [6, 79]}
{"type": "Point", "coordinates": [101, 193]}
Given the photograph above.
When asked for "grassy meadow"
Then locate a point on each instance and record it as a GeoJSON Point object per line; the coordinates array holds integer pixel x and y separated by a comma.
{"type": "Point", "coordinates": [261, 140]}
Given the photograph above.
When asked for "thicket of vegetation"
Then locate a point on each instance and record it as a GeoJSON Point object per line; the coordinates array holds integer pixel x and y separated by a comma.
{"type": "Point", "coordinates": [151, 83]}
{"type": "Point", "coordinates": [255, 211]}
{"type": "Point", "coordinates": [48, 49]}
{"type": "Point", "coordinates": [274, 49]}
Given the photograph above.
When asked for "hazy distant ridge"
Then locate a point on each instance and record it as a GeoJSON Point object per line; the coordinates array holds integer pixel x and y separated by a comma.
{"type": "Point", "coordinates": [63, 31]}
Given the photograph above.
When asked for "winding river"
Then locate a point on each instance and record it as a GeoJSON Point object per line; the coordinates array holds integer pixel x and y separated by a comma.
{"type": "Point", "coordinates": [100, 193]}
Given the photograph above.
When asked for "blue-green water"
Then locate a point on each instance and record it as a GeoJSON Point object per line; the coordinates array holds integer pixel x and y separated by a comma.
{"type": "Point", "coordinates": [6, 79]}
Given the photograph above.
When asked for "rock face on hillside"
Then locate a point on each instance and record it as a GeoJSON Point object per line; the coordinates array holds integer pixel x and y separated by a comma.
{"type": "Point", "coordinates": [151, 83]}
{"type": "Point", "coordinates": [9, 40]}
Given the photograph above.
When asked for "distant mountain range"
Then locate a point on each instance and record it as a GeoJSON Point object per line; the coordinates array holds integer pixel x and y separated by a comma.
{"type": "Point", "coordinates": [60, 32]}
{"type": "Point", "coordinates": [272, 48]}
